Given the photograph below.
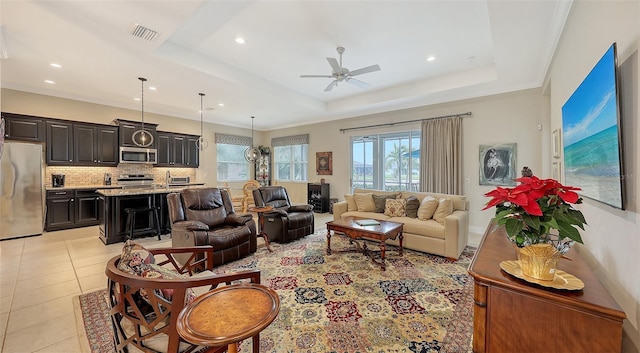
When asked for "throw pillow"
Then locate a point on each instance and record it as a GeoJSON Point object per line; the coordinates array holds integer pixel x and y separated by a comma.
{"type": "Point", "coordinates": [412, 206]}
{"type": "Point", "coordinates": [351, 202]}
{"type": "Point", "coordinates": [445, 208]}
{"type": "Point", "coordinates": [138, 261]}
{"type": "Point", "coordinates": [134, 255]}
{"type": "Point", "coordinates": [427, 207]}
{"type": "Point", "coordinates": [395, 207]}
{"type": "Point", "coordinates": [365, 202]}
{"type": "Point", "coordinates": [380, 201]}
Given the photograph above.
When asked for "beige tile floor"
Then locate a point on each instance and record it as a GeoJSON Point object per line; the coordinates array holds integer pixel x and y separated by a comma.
{"type": "Point", "coordinates": [39, 276]}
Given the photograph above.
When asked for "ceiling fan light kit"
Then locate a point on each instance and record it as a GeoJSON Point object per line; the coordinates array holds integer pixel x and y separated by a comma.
{"type": "Point", "coordinates": [342, 74]}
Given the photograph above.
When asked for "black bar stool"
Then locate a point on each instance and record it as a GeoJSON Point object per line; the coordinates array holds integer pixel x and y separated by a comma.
{"type": "Point", "coordinates": [131, 219]}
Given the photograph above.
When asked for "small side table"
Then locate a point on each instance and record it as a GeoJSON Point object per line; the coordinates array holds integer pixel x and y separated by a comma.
{"type": "Point", "coordinates": [260, 211]}
{"type": "Point", "coordinates": [228, 315]}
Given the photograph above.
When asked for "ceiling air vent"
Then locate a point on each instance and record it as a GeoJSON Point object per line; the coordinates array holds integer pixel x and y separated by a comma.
{"type": "Point", "coordinates": [143, 32]}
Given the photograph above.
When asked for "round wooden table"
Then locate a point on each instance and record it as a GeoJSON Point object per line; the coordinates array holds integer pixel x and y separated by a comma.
{"type": "Point", "coordinates": [228, 315]}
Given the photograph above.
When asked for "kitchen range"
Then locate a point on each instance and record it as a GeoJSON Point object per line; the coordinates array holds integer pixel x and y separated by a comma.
{"type": "Point", "coordinates": [137, 191]}
{"type": "Point", "coordinates": [136, 180]}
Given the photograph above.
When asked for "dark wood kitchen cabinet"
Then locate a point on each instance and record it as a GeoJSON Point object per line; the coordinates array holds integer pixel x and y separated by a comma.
{"type": "Point", "coordinates": [71, 208]}
{"type": "Point", "coordinates": [107, 145]}
{"type": "Point", "coordinates": [23, 127]}
{"type": "Point", "coordinates": [59, 142]}
{"type": "Point", "coordinates": [126, 129]}
{"type": "Point", "coordinates": [81, 144]}
{"type": "Point", "coordinates": [193, 153]}
{"type": "Point", "coordinates": [60, 210]}
{"type": "Point", "coordinates": [95, 145]}
{"type": "Point", "coordinates": [113, 220]}
{"type": "Point", "coordinates": [87, 208]}
{"type": "Point", "coordinates": [177, 150]}
{"type": "Point", "coordinates": [171, 149]}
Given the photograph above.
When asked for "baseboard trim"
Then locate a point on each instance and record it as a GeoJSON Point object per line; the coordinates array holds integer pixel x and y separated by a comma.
{"type": "Point", "coordinates": [477, 230]}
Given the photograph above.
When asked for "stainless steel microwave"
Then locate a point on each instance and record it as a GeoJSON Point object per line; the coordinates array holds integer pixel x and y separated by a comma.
{"type": "Point", "coordinates": [138, 155]}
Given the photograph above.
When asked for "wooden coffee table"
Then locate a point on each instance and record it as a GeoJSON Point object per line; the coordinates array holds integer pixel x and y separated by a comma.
{"type": "Point", "coordinates": [381, 232]}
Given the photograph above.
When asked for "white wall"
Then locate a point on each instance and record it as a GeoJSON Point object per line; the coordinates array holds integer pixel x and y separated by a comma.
{"type": "Point", "coordinates": [503, 118]}
{"type": "Point", "coordinates": [612, 239]}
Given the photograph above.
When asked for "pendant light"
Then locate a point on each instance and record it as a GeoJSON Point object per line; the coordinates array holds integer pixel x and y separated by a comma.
{"type": "Point", "coordinates": [201, 143]}
{"type": "Point", "coordinates": [142, 137]}
{"type": "Point", "coordinates": [252, 154]}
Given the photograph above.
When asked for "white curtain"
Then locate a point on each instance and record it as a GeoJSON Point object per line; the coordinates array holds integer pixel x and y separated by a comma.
{"type": "Point", "coordinates": [441, 157]}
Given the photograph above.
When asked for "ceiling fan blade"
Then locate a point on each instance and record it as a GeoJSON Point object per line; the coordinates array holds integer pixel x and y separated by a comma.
{"type": "Point", "coordinates": [364, 70]}
{"type": "Point", "coordinates": [320, 76]}
{"type": "Point", "coordinates": [333, 84]}
{"type": "Point", "coordinates": [334, 65]}
{"type": "Point", "coordinates": [357, 83]}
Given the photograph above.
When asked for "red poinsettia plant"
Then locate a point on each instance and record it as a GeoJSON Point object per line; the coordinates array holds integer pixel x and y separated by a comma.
{"type": "Point", "coordinates": [531, 210]}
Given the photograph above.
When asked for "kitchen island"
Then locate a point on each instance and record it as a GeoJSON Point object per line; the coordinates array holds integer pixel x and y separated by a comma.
{"type": "Point", "coordinates": [113, 218]}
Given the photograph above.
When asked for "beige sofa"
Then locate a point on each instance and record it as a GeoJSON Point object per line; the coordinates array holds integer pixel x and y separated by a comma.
{"type": "Point", "coordinates": [445, 238]}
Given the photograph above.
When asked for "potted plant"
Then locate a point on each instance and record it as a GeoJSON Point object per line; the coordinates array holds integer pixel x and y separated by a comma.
{"type": "Point", "coordinates": [539, 219]}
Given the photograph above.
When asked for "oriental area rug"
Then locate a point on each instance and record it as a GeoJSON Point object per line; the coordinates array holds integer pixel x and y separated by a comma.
{"type": "Point", "coordinates": [344, 303]}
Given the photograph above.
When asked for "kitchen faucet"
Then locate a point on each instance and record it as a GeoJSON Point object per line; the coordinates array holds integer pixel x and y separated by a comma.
{"type": "Point", "coordinates": [167, 178]}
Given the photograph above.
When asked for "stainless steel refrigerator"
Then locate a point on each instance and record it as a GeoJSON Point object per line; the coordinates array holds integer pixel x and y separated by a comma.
{"type": "Point", "coordinates": [21, 190]}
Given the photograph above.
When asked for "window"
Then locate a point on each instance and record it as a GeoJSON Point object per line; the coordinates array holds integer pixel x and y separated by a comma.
{"type": "Point", "coordinates": [291, 157]}
{"type": "Point", "coordinates": [386, 162]}
{"type": "Point", "coordinates": [230, 153]}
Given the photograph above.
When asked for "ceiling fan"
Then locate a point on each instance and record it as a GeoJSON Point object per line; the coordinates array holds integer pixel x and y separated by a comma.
{"type": "Point", "coordinates": [340, 74]}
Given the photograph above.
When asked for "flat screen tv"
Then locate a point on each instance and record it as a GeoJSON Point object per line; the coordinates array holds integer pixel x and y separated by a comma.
{"type": "Point", "coordinates": [591, 134]}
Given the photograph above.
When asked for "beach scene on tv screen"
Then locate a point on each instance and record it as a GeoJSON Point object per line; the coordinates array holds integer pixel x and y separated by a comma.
{"type": "Point", "coordinates": [590, 135]}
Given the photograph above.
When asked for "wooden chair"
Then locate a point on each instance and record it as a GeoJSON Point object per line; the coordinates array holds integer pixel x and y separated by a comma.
{"type": "Point", "coordinates": [236, 200]}
{"type": "Point", "coordinates": [247, 190]}
{"type": "Point", "coordinates": [150, 326]}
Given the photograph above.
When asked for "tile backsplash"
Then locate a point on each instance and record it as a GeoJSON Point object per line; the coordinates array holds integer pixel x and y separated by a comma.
{"type": "Point", "coordinates": [79, 176]}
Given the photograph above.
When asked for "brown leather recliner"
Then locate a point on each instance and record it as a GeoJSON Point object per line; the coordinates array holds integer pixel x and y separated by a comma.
{"type": "Point", "coordinates": [286, 222]}
{"type": "Point", "coordinates": [205, 216]}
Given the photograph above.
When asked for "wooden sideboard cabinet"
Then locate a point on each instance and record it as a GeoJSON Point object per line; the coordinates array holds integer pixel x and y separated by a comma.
{"type": "Point", "coordinates": [512, 315]}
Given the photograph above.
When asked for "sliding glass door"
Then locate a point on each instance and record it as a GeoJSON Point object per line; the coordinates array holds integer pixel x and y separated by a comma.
{"type": "Point", "coordinates": [386, 162]}
{"type": "Point", "coordinates": [362, 163]}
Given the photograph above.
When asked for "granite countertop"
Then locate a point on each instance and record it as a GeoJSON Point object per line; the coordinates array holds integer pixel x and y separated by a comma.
{"type": "Point", "coordinates": [83, 187]}
{"type": "Point", "coordinates": [115, 187]}
{"type": "Point", "coordinates": [156, 189]}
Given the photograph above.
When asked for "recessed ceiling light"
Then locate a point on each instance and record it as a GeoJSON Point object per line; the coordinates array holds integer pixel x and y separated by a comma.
{"type": "Point", "coordinates": [50, 82]}
{"type": "Point", "coordinates": [221, 104]}
{"type": "Point", "coordinates": [431, 58]}
{"type": "Point", "coordinates": [136, 99]}
{"type": "Point", "coordinates": [57, 66]}
{"type": "Point", "coordinates": [153, 88]}
{"type": "Point", "coordinates": [239, 40]}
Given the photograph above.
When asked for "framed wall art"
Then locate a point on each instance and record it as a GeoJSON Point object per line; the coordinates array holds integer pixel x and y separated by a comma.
{"type": "Point", "coordinates": [498, 164]}
{"type": "Point", "coordinates": [324, 163]}
{"type": "Point", "coordinates": [555, 171]}
{"type": "Point", "coordinates": [556, 143]}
